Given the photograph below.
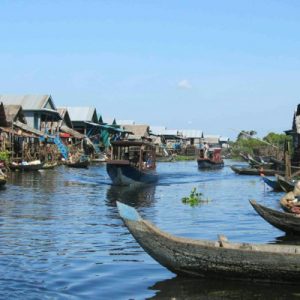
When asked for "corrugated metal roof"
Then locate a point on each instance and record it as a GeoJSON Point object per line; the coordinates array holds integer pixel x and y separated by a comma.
{"type": "Point", "coordinates": [160, 130]}
{"type": "Point", "coordinates": [125, 122]}
{"type": "Point", "coordinates": [28, 102]}
{"type": "Point", "coordinates": [85, 113]}
{"type": "Point", "coordinates": [224, 139]}
{"type": "Point", "coordinates": [157, 130]}
{"type": "Point", "coordinates": [191, 133]}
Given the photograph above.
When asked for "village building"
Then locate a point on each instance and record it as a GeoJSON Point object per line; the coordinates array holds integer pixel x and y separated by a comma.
{"type": "Point", "coordinates": [137, 132]}
{"type": "Point", "coordinates": [39, 111]}
{"type": "Point", "coordinates": [294, 132]}
{"type": "Point", "coordinates": [16, 137]}
{"type": "Point", "coordinates": [212, 140]}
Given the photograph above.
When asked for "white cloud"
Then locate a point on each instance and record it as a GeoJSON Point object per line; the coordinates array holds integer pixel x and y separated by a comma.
{"type": "Point", "coordinates": [184, 84]}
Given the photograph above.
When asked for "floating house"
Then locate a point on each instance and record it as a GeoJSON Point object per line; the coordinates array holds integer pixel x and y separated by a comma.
{"type": "Point", "coordinates": [20, 140]}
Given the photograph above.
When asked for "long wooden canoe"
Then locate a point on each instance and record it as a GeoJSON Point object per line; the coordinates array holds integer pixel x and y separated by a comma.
{"type": "Point", "coordinates": [254, 171]}
{"type": "Point", "coordinates": [219, 259]}
{"type": "Point", "coordinates": [287, 222]}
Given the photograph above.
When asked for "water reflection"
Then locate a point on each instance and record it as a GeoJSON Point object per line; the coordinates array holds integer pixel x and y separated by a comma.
{"type": "Point", "coordinates": [136, 196]}
{"type": "Point", "coordinates": [288, 239]}
{"type": "Point", "coordinates": [189, 288]}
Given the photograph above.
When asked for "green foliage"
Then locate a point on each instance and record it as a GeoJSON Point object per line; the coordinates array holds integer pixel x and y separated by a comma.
{"type": "Point", "coordinates": [194, 199]}
{"type": "Point", "coordinates": [247, 143]}
{"type": "Point", "coordinates": [277, 139]}
{"type": "Point", "coordinates": [183, 158]}
{"type": "Point", "coordinates": [4, 156]}
{"type": "Point", "coordinates": [245, 146]}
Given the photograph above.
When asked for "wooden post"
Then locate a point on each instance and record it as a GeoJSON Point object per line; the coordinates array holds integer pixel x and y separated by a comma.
{"type": "Point", "coordinates": [287, 160]}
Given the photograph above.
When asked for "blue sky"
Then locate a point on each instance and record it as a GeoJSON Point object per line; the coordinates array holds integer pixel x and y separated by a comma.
{"type": "Point", "coordinates": [218, 66]}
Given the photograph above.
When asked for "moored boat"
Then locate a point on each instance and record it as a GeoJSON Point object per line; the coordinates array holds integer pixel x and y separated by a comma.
{"type": "Point", "coordinates": [287, 222]}
{"type": "Point", "coordinates": [26, 166]}
{"type": "Point", "coordinates": [254, 171]}
{"type": "Point", "coordinates": [274, 184]}
{"type": "Point", "coordinates": [3, 178]}
{"type": "Point", "coordinates": [49, 165]}
{"type": "Point", "coordinates": [214, 259]}
{"type": "Point", "coordinates": [132, 162]}
{"type": "Point", "coordinates": [286, 185]}
{"type": "Point", "coordinates": [84, 164]}
{"type": "Point", "coordinates": [211, 160]}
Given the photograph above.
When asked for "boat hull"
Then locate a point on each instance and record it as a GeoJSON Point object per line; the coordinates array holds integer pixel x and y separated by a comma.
{"type": "Point", "coordinates": [200, 258]}
{"type": "Point", "coordinates": [128, 175]}
{"type": "Point", "coordinates": [26, 168]}
{"type": "Point", "coordinates": [254, 171]}
{"type": "Point", "coordinates": [78, 165]}
{"type": "Point", "coordinates": [209, 164]}
{"type": "Point", "coordinates": [274, 184]}
{"type": "Point", "coordinates": [286, 185]}
{"type": "Point", "coordinates": [287, 222]}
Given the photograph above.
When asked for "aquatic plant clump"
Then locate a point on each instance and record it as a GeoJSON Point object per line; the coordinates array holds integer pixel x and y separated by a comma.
{"type": "Point", "coordinates": [194, 199]}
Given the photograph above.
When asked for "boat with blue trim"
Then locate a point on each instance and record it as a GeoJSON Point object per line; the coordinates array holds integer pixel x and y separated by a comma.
{"type": "Point", "coordinates": [132, 162]}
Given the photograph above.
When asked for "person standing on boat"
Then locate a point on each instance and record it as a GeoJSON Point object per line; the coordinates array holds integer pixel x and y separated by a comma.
{"type": "Point", "coordinates": [206, 148]}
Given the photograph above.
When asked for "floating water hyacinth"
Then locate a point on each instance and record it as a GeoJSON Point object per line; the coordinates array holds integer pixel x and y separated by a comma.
{"type": "Point", "coordinates": [194, 199]}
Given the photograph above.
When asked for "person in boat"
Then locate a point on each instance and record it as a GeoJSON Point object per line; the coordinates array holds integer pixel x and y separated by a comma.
{"type": "Point", "coordinates": [292, 199]}
{"type": "Point", "coordinates": [206, 149]}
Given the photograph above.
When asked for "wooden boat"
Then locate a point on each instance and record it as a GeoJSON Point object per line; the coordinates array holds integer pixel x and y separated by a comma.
{"type": "Point", "coordinates": [83, 164]}
{"type": "Point", "coordinates": [132, 162]}
{"type": "Point", "coordinates": [254, 171]}
{"type": "Point", "coordinates": [49, 165]}
{"type": "Point", "coordinates": [212, 160]}
{"type": "Point", "coordinates": [218, 259]}
{"type": "Point", "coordinates": [31, 166]}
{"type": "Point", "coordinates": [285, 184]}
{"type": "Point", "coordinates": [274, 184]}
{"type": "Point", "coordinates": [3, 178]}
{"type": "Point", "coordinates": [287, 222]}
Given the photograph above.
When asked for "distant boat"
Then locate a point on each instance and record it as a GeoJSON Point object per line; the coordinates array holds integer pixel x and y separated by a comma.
{"type": "Point", "coordinates": [78, 164]}
{"type": "Point", "coordinates": [132, 162]}
{"type": "Point", "coordinates": [49, 165]}
{"type": "Point", "coordinates": [3, 178]}
{"type": "Point", "coordinates": [212, 160]}
{"type": "Point", "coordinates": [26, 166]}
{"type": "Point", "coordinates": [254, 171]}
{"type": "Point", "coordinates": [214, 259]}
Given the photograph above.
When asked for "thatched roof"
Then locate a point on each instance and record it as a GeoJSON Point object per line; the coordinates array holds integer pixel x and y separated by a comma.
{"type": "Point", "coordinates": [10, 114]}
{"type": "Point", "coordinates": [139, 131]}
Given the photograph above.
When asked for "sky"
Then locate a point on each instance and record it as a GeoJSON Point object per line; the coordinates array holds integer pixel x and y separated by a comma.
{"type": "Point", "coordinates": [216, 66]}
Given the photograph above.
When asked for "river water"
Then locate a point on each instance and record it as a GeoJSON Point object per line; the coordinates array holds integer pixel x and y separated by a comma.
{"type": "Point", "coordinates": [62, 238]}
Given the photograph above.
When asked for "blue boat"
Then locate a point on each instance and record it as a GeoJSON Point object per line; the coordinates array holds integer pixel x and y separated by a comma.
{"type": "Point", "coordinates": [274, 184]}
{"type": "Point", "coordinates": [132, 162]}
